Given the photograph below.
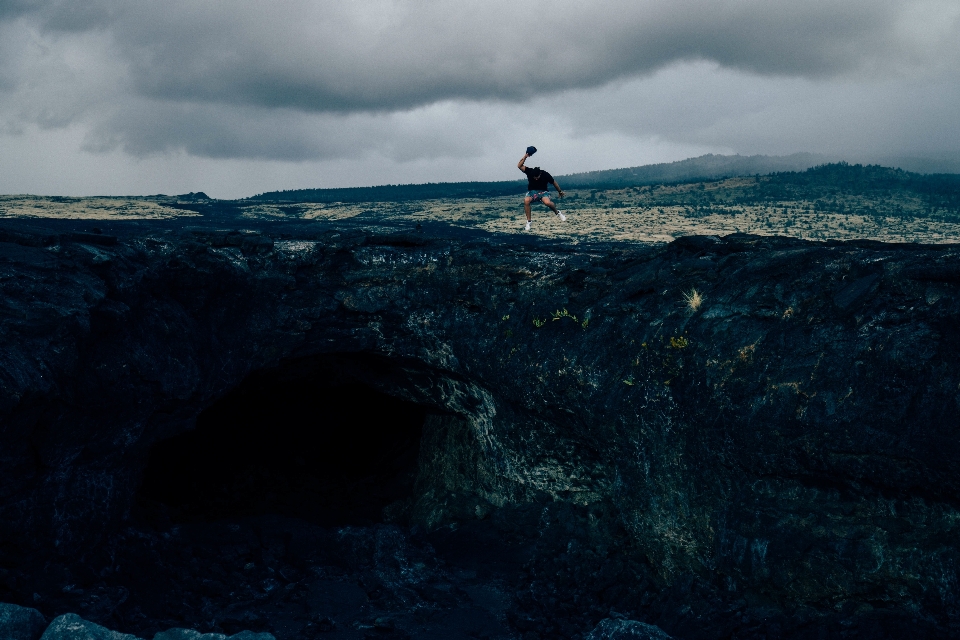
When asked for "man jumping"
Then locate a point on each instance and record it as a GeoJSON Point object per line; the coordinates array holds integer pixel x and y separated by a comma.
{"type": "Point", "coordinates": [538, 182]}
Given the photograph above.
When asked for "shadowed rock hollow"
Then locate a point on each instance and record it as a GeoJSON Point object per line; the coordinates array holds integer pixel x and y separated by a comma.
{"type": "Point", "coordinates": [308, 430]}
{"type": "Point", "coordinates": [303, 445]}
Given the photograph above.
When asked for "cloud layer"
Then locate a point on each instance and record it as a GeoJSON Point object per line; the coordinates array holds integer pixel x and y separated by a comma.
{"type": "Point", "coordinates": [413, 80]}
{"type": "Point", "coordinates": [392, 54]}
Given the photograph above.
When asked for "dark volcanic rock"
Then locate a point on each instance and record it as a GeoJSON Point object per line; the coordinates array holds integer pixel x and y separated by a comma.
{"type": "Point", "coordinates": [611, 629]}
{"type": "Point", "coordinates": [20, 623]}
{"type": "Point", "coordinates": [779, 461]}
{"type": "Point", "coordinates": [72, 627]}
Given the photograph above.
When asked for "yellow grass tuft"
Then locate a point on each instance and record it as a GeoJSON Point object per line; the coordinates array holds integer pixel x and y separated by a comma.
{"type": "Point", "coordinates": [693, 299]}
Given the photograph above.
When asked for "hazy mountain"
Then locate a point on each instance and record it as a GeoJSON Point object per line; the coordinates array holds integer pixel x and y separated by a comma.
{"type": "Point", "coordinates": [707, 167]}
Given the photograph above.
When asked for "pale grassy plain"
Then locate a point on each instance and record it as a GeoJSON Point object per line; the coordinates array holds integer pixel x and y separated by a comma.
{"type": "Point", "coordinates": [632, 220]}
{"type": "Point", "coordinates": [87, 208]}
{"type": "Point", "coordinates": [633, 214]}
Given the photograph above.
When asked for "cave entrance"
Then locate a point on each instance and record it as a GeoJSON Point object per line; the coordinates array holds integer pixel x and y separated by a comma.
{"type": "Point", "coordinates": [305, 440]}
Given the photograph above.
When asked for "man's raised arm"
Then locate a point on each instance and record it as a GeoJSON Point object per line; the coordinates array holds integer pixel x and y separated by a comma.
{"type": "Point", "coordinates": [522, 160]}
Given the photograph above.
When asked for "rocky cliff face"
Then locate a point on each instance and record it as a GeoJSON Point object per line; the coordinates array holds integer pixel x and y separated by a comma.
{"type": "Point", "coordinates": [777, 457]}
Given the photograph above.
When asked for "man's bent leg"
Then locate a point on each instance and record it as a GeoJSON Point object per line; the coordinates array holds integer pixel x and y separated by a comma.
{"type": "Point", "coordinates": [552, 206]}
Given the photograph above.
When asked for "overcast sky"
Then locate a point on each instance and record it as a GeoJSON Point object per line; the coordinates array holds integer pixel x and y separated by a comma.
{"type": "Point", "coordinates": [236, 97]}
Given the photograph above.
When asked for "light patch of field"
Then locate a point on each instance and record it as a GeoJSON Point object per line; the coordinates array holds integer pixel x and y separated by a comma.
{"type": "Point", "coordinates": [590, 219]}
{"type": "Point", "coordinates": [304, 211]}
{"type": "Point", "coordinates": [87, 208]}
{"type": "Point", "coordinates": [652, 215]}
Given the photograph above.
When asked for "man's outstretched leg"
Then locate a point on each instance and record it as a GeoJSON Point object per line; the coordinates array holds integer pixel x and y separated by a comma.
{"type": "Point", "coordinates": [526, 210]}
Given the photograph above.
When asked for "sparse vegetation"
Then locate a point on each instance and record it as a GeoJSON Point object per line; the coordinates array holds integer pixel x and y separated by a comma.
{"type": "Point", "coordinates": [692, 299]}
{"type": "Point", "coordinates": [560, 314]}
{"type": "Point", "coordinates": [837, 201]}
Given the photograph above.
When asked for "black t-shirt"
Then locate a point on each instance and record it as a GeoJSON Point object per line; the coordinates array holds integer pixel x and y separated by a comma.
{"type": "Point", "coordinates": [537, 184]}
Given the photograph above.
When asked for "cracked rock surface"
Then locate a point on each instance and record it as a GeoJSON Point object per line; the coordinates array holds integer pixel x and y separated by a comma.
{"type": "Point", "coordinates": [585, 439]}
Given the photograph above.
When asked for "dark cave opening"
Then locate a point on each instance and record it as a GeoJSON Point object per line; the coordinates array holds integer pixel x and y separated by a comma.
{"type": "Point", "coordinates": [333, 452]}
{"type": "Point", "coordinates": [238, 523]}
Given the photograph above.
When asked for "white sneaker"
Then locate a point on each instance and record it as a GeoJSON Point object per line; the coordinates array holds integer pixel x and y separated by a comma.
{"type": "Point", "coordinates": [563, 218]}
{"type": "Point", "coordinates": [528, 226]}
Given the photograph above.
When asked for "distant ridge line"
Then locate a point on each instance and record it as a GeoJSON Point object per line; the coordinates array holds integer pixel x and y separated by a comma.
{"type": "Point", "coordinates": [395, 192]}
{"type": "Point", "coordinates": [705, 167]}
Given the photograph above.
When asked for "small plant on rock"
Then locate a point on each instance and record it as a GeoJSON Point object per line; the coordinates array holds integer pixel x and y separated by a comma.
{"type": "Point", "coordinates": [693, 299]}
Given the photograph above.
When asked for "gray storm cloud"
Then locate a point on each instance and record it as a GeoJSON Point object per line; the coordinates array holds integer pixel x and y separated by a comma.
{"type": "Point", "coordinates": [388, 54]}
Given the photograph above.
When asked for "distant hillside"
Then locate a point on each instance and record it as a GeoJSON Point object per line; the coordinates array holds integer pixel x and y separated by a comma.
{"type": "Point", "coordinates": [703, 168]}
{"type": "Point", "coordinates": [397, 192]}
{"type": "Point", "coordinates": [707, 167]}
{"type": "Point", "coordinates": [938, 191]}
{"type": "Point", "coordinates": [838, 188]}
{"type": "Point", "coordinates": [715, 167]}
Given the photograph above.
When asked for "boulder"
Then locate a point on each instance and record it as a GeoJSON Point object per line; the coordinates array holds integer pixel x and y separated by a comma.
{"type": "Point", "coordinates": [191, 634]}
{"type": "Point", "coordinates": [188, 634]}
{"type": "Point", "coordinates": [70, 626]}
{"type": "Point", "coordinates": [614, 629]}
{"type": "Point", "coordinates": [20, 623]}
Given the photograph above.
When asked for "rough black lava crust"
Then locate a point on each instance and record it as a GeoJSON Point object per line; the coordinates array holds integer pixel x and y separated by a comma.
{"type": "Point", "coordinates": [779, 460]}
